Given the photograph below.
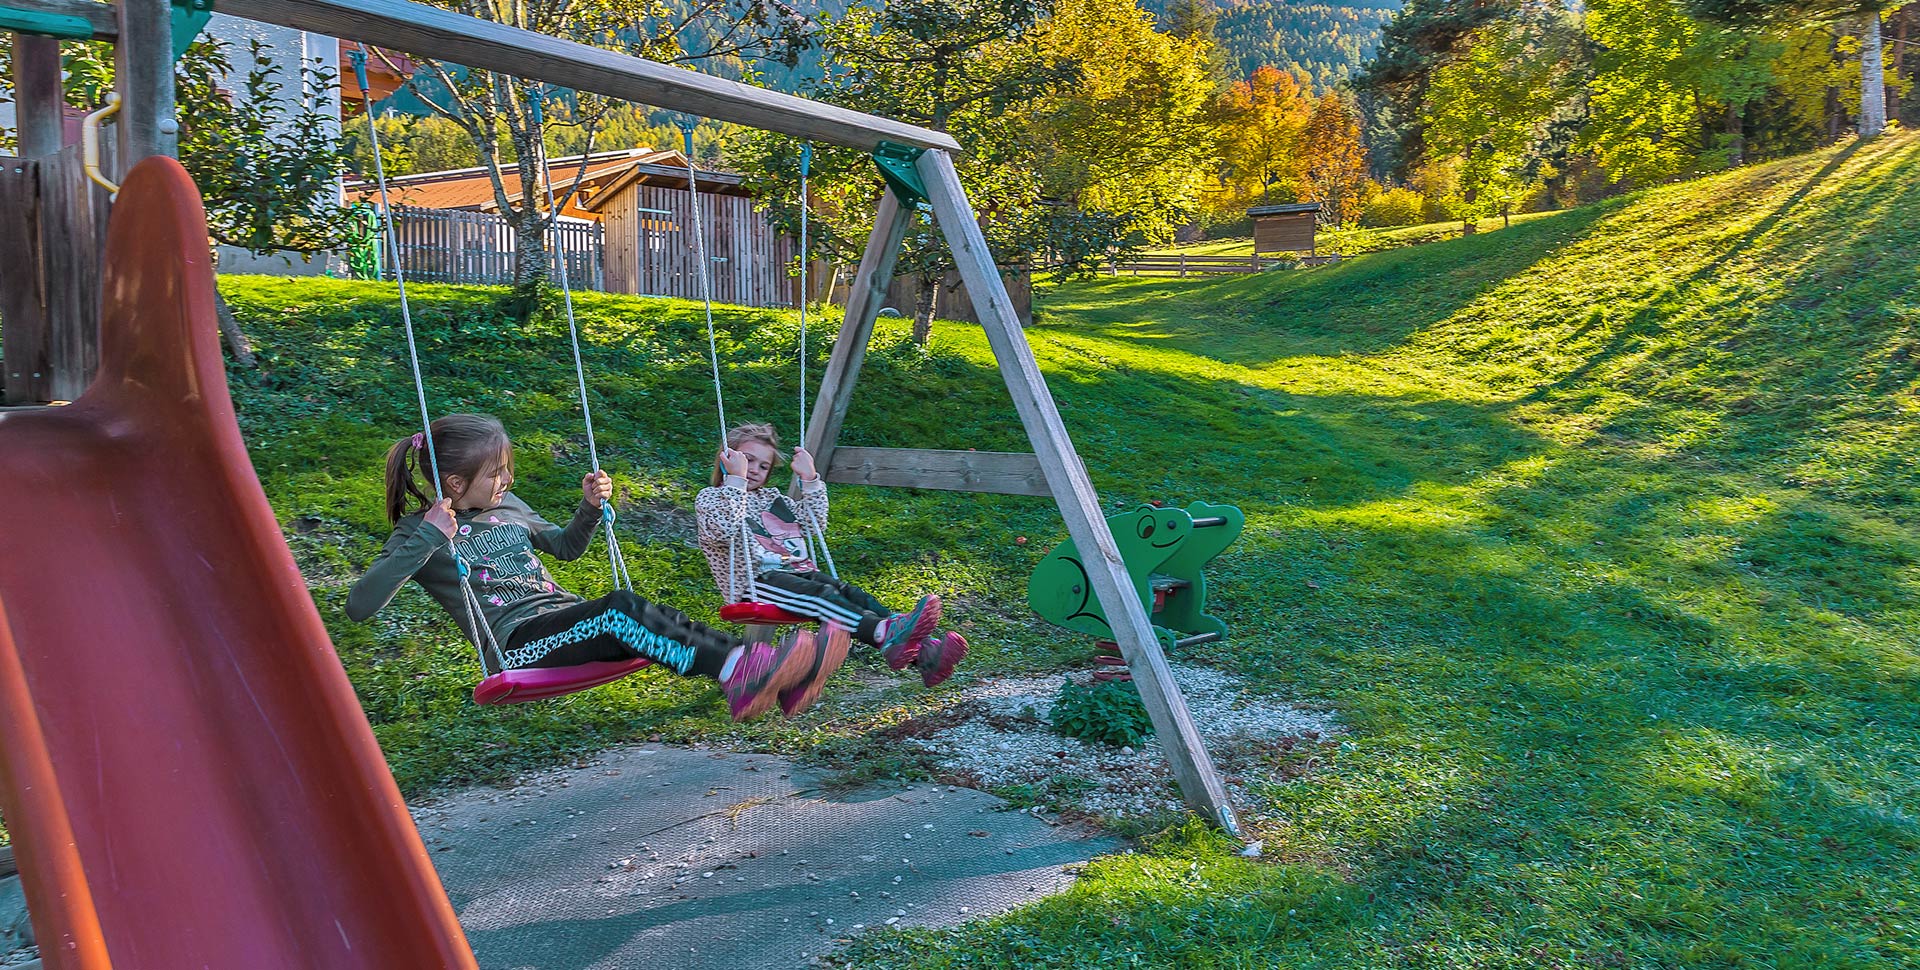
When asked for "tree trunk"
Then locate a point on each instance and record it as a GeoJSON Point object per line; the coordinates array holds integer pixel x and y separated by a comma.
{"type": "Point", "coordinates": [236, 339]}
{"type": "Point", "coordinates": [531, 266]}
{"type": "Point", "coordinates": [923, 308]}
{"type": "Point", "coordinates": [1736, 136]}
{"type": "Point", "coordinates": [1873, 79]}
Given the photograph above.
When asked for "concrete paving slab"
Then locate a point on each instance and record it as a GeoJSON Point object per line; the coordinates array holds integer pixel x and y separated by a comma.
{"type": "Point", "coordinates": [659, 856]}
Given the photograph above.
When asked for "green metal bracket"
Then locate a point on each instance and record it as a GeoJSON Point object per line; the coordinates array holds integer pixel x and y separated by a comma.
{"type": "Point", "coordinates": [896, 164]}
{"type": "Point", "coordinates": [45, 24]}
{"type": "Point", "coordinates": [189, 18]}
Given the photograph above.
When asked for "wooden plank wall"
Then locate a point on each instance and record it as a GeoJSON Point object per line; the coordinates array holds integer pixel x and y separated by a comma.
{"type": "Point", "coordinates": [1292, 233]}
{"type": "Point", "coordinates": [656, 257]}
{"type": "Point", "coordinates": [50, 277]}
{"type": "Point", "coordinates": [954, 302]}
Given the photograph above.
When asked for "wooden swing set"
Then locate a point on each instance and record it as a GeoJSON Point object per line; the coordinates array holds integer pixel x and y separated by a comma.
{"type": "Point", "coordinates": [49, 214]}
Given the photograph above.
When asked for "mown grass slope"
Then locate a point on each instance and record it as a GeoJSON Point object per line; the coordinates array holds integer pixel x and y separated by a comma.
{"type": "Point", "coordinates": [1599, 532]}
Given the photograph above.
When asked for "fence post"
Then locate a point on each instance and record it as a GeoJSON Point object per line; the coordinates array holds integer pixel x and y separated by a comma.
{"type": "Point", "coordinates": [1183, 266]}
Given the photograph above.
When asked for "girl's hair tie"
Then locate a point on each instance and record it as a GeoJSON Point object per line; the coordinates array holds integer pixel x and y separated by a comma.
{"type": "Point", "coordinates": [419, 440]}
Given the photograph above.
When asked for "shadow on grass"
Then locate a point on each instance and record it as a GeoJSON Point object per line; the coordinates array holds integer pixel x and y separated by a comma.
{"type": "Point", "coordinates": [1646, 743]}
{"type": "Point", "coordinates": [1361, 305]}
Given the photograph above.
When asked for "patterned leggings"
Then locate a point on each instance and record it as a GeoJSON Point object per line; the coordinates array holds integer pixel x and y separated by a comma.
{"type": "Point", "coordinates": [620, 626]}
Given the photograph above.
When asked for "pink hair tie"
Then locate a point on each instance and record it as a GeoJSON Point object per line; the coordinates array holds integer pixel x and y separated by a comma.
{"type": "Point", "coordinates": [419, 440]}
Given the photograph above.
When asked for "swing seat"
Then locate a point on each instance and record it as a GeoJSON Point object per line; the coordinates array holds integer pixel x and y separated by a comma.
{"type": "Point", "coordinates": [761, 614]}
{"type": "Point", "coordinates": [539, 683]}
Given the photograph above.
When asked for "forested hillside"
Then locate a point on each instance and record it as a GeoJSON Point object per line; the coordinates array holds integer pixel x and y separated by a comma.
{"type": "Point", "coordinates": [1322, 41]}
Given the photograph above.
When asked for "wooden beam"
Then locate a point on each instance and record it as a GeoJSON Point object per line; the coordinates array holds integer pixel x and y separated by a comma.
{"type": "Point", "coordinates": [103, 18]}
{"type": "Point", "coordinates": [864, 301]}
{"type": "Point", "coordinates": [1192, 767]}
{"type": "Point", "coordinates": [25, 330]}
{"type": "Point", "coordinates": [143, 66]}
{"type": "Point", "coordinates": [427, 31]}
{"type": "Point", "coordinates": [996, 472]}
{"type": "Point", "coordinates": [37, 99]}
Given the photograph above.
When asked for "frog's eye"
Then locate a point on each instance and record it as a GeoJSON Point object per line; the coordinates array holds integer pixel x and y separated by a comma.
{"type": "Point", "coordinates": [1146, 528]}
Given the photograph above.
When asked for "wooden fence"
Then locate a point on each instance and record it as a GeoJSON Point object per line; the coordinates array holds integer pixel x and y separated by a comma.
{"type": "Point", "coordinates": [1183, 264]}
{"type": "Point", "coordinates": [458, 246]}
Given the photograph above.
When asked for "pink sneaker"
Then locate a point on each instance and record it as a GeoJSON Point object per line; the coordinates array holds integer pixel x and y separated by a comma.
{"type": "Point", "coordinates": [939, 655]}
{"type": "Point", "coordinates": [906, 631]}
{"type": "Point", "coordinates": [764, 671]}
{"type": "Point", "coordinates": [833, 643]}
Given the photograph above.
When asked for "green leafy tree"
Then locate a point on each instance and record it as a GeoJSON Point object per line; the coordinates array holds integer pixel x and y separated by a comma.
{"type": "Point", "coordinates": [1494, 110]}
{"type": "Point", "coordinates": [1128, 144]}
{"type": "Point", "coordinates": [958, 66]}
{"type": "Point", "coordinates": [1865, 15]}
{"type": "Point", "coordinates": [1663, 83]}
{"type": "Point", "coordinates": [1423, 37]}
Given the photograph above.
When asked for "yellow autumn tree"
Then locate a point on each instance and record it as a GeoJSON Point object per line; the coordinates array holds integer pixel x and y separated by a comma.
{"type": "Point", "coordinates": [1336, 164]}
{"type": "Point", "coordinates": [1262, 126]}
{"type": "Point", "coordinates": [1128, 139]}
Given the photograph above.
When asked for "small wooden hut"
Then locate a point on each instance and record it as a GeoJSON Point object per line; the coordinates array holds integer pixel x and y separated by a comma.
{"type": "Point", "coordinates": [1284, 228]}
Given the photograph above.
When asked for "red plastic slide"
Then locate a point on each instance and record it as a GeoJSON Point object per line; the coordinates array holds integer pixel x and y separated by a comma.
{"type": "Point", "coordinates": [187, 776]}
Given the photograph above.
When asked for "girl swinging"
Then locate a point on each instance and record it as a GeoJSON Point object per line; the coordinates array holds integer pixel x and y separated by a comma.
{"type": "Point", "coordinates": [757, 544]}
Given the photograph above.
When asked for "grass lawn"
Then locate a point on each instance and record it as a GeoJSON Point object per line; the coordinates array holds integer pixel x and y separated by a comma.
{"type": "Point", "coordinates": [1599, 532]}
{"type": "Point", "coordinates": [1354, 242]}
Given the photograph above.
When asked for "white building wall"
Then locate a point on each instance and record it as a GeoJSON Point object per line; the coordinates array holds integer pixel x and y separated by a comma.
{"type": "Point", "coordinates": [289, 49]}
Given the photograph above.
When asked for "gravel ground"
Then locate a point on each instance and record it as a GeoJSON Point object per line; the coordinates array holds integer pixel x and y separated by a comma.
{"type": "Point", "coordinates": [996, 735]}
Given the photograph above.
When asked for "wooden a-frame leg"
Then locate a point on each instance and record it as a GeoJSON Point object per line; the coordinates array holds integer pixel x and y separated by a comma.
{"type": "Point", "coordinates": [864, 302]}
{"type": "Point", "coordinates": [1192, 767]}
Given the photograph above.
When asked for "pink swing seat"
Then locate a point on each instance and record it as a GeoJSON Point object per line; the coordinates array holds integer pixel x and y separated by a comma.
{"type": "Point", "coordinates": [540, 683]}
{"type": "Point", "coordinates": [762, 614]}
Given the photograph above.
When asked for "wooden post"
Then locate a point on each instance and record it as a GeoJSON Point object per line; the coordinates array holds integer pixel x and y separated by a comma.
{"type": "Point", "coordinates": [1199, 782]}
{"type": "Point", "coordinates": [51, 223]}
{"type": "Point", "coordinates": [864, 301]}
{"type": "Point", "coordinates": [25, 329]}
{"type": "Point", "coordinates": [27, 334]}
{"type": "Point", "coordinates": [36, 84]}
{"type": "Point", "coordinates": [143, 62]}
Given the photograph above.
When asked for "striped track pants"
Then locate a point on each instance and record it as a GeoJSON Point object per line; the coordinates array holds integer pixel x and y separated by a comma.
{"type": "Point", "coordinates": [822, 597]}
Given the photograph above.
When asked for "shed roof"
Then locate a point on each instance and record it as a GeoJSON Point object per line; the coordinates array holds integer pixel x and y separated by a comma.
{"type": "Point", "coordinates": [1286, 209]}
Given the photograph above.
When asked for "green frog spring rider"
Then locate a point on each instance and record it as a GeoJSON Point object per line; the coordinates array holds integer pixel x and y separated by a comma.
{"type": "Point", "coordinates": [1165, 550]}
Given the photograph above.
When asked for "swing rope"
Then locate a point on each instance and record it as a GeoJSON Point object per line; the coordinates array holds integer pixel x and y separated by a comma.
{"type": "Point", "coordinates": [812, 522]}
{"type": "Point", "coordinates": [741, 546]}
{"type": "Point", "coordinates": [806, 163]}
{"type": "Point", "coordinates": [616, 557]}
{"type": "Point", "coordinates": [706, 287]}
{"type": "Point", "coordinates": [483, 639]}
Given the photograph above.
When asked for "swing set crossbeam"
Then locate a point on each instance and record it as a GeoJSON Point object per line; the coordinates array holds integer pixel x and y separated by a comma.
{"type": "Point", "coordinates": [996, 472]}
{"type": "Point", "coordinates": [480, 44]}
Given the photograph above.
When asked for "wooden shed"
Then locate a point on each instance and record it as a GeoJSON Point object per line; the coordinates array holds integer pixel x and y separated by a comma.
{"type": "Point", "coordinates": [1284, 228]}
{"type": "Point", "coordinates": [645, 209]}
